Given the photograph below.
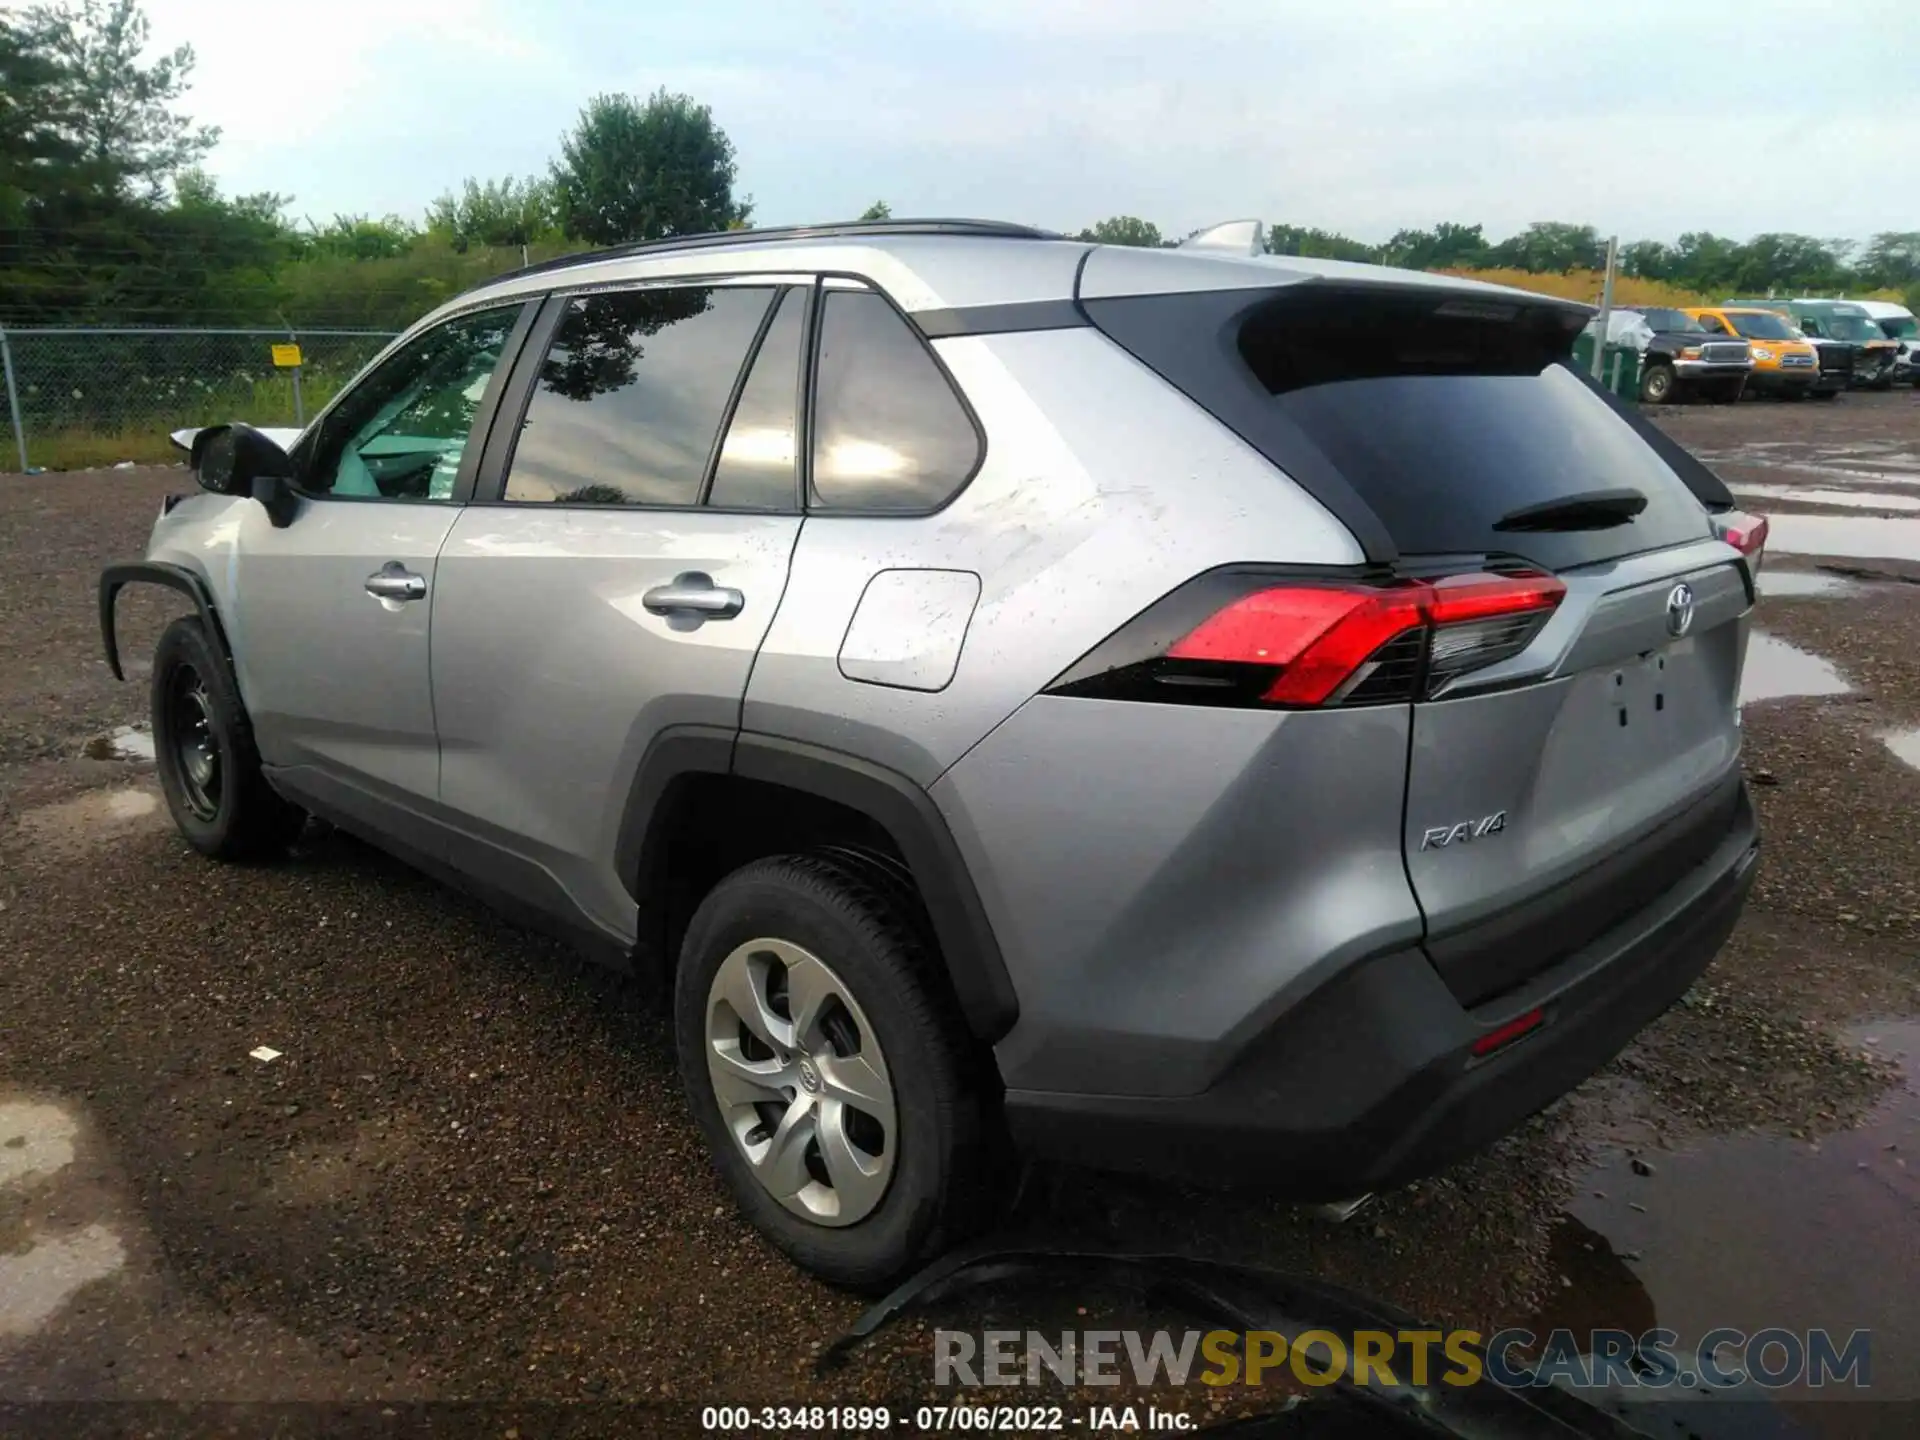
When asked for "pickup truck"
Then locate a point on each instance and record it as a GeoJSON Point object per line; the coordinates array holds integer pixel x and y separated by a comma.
{"type": "Point", "coordinates": [1678, 357]}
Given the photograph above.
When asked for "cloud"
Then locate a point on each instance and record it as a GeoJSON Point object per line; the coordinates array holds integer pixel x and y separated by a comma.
{"type": "Point", "coordinates": [1361, 116]}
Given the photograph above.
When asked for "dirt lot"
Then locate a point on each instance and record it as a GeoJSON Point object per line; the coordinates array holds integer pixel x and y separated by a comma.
{"type": "Point", "coordinates": [469, 1174]}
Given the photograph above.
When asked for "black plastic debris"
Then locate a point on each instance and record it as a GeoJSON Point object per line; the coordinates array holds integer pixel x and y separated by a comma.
{"type": "Point", "coordinates": [1246, 1298]}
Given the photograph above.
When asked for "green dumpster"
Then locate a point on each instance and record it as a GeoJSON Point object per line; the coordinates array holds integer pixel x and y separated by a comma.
{"type": "Point", "coordinates": [1619, 365]}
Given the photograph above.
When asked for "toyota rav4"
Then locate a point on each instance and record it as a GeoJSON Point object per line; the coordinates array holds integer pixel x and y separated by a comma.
{"type": "Point", "coordinates": [1236, 716]}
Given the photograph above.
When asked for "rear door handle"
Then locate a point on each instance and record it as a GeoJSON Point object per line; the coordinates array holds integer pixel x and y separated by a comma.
{"type": "Point", "coordinates": [694, 593]}
{"type": "Point", "coordinates": [393, 581]}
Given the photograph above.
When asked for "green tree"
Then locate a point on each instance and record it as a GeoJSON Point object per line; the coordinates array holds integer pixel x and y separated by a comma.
{"type": "Point", "coordinates": [119, 109]}
{"type": "Point", "coordinates": [1649, 260]}
{"type": "Point", "coordinates": [1123, 230]}
{"type": "Point", "coordinates": [1790, 263]}
{"type": "Point", "coordinates": [644, 170]}
{"type": "Point", "coordinates": [1446, 246]}
{"type": "Point", "coordinates": [1551, 247]}
{"type": "Point", "coordinates": [494, 212]}
{"type": "Point", "coordinates": [1891, 260]}
{"type": "Point", "coordinates": [37, 149]}
{"type": "Point", "coordinates": [1319, 244]}
{"type": "Point", "coordinates": [878, 210]}
{"type": "Point", "coordinates": [360, 237]}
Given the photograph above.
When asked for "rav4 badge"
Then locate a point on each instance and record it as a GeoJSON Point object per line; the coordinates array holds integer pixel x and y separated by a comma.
{"type": "Point", "coordinates": [1441, 836]}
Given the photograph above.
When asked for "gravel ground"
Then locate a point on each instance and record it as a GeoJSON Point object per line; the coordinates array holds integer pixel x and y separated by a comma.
{"type": "Point", "coordinates": [470, 1174]}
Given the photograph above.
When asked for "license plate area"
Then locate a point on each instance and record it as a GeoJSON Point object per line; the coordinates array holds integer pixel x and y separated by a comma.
{"type": "Point", "coordinates": [1647, 693]}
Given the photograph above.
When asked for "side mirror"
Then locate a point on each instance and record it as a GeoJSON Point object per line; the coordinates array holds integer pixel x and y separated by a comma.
{"type": "Point", "coordinates": [238, 460]}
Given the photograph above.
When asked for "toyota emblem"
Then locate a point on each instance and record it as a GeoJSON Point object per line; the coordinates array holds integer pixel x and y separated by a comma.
{"type": "Point", "coordinates": [1679, 610]}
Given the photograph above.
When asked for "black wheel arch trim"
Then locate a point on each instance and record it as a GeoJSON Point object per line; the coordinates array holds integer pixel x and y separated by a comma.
{"type": "Point", "coordinates": [899, 805]}
{"type": "Point", "coordinates": [115, 578]}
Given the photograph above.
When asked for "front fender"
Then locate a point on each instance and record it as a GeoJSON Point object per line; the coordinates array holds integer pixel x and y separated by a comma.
{"type": "Point", "coordinates": [155, 572]}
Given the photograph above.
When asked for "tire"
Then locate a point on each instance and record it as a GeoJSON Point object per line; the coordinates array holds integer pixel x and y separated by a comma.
{"type": "Point", "coordinates": [1727, 392]}
{"type": "Point", "coordinates": [1826, 394]}
{"type": "Point", "coordinates": [1794, 392]}
{"type": "Point", "coordinates": [204, 751]}
{"type": "Point", "coordinates": [1657, 384]}
{"type": "Point", "coordinates": [753, 938]}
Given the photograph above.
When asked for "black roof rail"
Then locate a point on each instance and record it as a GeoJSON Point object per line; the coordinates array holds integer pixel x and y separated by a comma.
{"type": "Point", "coordinates": [849, 229]}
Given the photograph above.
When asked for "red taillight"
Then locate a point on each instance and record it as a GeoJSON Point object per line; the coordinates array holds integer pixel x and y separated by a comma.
{"type": "Point", "coordinates": [1502, 1036]}
{"type": "Point", "coordinates": [1746, 533]}
{"type": "Point", "coordinates": [1319, 636]}
{"type": "Point", "coordinates": [1238, 637]}
{"type": "Point", "coordinates": [1323, 638]}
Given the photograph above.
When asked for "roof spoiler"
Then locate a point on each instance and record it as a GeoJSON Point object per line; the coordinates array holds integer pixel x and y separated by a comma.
{"type": "Point", "coordinates": [1236, 237]}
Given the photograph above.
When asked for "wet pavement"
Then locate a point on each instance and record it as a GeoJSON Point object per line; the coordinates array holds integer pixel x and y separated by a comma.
{"type": "Point", "coordinates": [468, 1173]}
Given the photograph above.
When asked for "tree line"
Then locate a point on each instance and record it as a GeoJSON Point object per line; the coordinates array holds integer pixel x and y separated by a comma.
{"type": "Point", "coordinates": [107, 216]}
{"type": "Point", "coordinates": [1714, 266]}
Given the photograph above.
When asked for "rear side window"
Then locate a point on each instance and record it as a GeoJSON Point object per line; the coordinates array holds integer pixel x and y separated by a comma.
{"type": "Point", "coordinates": [631, 395]}
{"type": "Point", "coordinates": [889, 434]}
{"type": "Point", "coordinates": [756, 467]}
{"type": "Point", "coordinates": [1442, 414]}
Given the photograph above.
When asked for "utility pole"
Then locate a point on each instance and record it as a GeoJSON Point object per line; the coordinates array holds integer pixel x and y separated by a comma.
{"type": "Point", "coordinates": [1606, 304]}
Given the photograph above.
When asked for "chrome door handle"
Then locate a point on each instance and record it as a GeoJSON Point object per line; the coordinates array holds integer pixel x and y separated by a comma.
{"type": "Point", "coordinates": [694, 593]}
{"type": "Point", "coordinates": [393, 581]}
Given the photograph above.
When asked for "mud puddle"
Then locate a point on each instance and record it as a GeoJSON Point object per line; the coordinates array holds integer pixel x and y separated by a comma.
{"type": "Point", "coordinates": [1905, 745]}
{"type": "Point", "coordinates": [1776, 670]}
{"type": "Point", "coordinates": [129, 742]}
{"type": "Point", "coordinates": [1844, 535]}
{"type": "Point", "coordinates": [1754, 1231]}
{"type": "Point", "coordinates": [1825, 495]}
{"type": "Point", "coordinates": [43, 1266]}
{"type": "Point", "coordinates": [1794, 583]}
{"type": "Point", "coordinates": [95, 818]}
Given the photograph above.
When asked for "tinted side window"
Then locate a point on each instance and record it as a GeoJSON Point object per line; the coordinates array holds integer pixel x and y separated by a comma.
{"type": "Point", "coordinates": [400, 433]}
{"type": "Point", "coordinates": [756, 459]}
{"type": "Point", "coordinates": [631, 395]}
{"type": "Point", "coordinates": [889, 433]}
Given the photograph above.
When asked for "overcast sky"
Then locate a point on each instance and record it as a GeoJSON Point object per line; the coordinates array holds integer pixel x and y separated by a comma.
{"type": "Point", "coordinates": [1361, 116]}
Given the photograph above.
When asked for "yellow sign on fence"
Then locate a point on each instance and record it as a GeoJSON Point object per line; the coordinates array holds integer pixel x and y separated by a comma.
{"type": "Point", "coordinates": [286, 357]}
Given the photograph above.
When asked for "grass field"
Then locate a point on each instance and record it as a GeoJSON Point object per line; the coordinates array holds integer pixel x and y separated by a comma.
{"type": "Point", "coordinates": [139, 430]}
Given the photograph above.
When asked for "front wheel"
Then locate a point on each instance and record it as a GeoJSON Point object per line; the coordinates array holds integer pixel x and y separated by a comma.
{"type": "Point", "coordinates": [1657, 384]}
{"type": "Point", "coordinates": [846, 1108]}
{"type": "Point", "coordinates": [204, 752]}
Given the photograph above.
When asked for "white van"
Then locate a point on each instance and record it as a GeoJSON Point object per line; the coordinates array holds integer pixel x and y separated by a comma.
{"type": "Point", "coordinates": [1898, 322]}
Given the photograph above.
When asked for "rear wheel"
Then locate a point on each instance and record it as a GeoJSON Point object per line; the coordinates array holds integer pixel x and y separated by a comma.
{"type": "Point", "coordinates": [204, 753]}
{"type": "Point", "coordinates": [1657, 384]}
{"type": "Point", "coordinates": [845, 1106]}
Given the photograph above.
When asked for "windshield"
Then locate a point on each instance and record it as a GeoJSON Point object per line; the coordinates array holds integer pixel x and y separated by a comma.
{"type": "Point", "coordinates": [1900, 327]}
{"type": "Point", "coordinates": [1760, 326]}
{"type": "Point", "coordinates": [1852, 327]}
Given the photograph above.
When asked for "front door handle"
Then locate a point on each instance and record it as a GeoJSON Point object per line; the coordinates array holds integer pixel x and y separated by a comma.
{"type": "Point", "coordinates": [694, 593]}
{"type": "Point", "coordinates": [393, 581]}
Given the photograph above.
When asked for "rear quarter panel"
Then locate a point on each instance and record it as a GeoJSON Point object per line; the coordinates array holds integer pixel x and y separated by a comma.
{"type": "Point", "coordinates": [1101, 490]}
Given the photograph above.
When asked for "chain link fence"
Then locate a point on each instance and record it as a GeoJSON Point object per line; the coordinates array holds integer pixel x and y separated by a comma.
{"type": "Point", "coordinates": [78, 398]}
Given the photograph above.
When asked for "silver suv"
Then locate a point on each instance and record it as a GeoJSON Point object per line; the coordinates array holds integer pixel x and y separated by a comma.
{"type": "Point", "coordinates": [1186, 710]}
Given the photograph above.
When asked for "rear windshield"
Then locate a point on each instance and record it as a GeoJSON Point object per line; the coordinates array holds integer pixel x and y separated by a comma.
{"type": "Point", "coordinates": [1441, 414]}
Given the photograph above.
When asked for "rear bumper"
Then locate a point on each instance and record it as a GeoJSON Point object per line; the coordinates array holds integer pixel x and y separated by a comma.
{"type": "Point", "coordinates": [1370, 1082]}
